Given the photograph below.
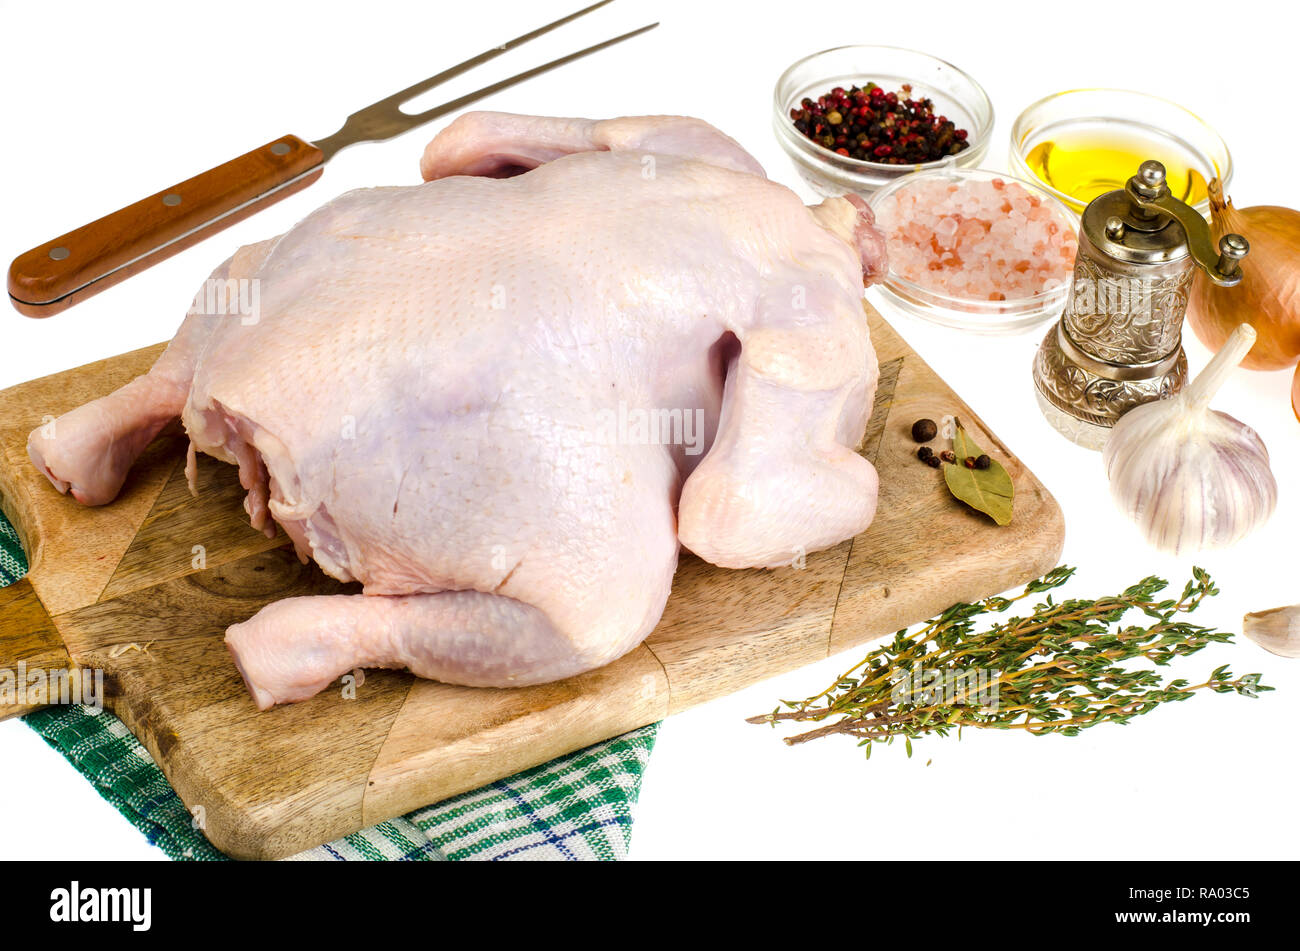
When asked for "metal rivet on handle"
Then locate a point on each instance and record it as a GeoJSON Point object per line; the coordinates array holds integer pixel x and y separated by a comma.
{"type": "Point", "coordinates": [172, 200]}
{"type": "Point", "coordinates": [58, 254]}
{"type": "Point", "coordinates": [280, 148]}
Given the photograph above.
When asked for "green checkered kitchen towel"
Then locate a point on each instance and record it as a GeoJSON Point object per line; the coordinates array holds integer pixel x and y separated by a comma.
{"type": "Point", "coordinates": [576, 807]}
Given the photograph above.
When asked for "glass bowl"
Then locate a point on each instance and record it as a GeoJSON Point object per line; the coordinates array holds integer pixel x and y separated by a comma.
{"type": "Point", "coordinates": [975, 314]}
{"type": "Point", "coordinates": [829, 174]}
{"type": "Point", "coordinates": [1128, 121]}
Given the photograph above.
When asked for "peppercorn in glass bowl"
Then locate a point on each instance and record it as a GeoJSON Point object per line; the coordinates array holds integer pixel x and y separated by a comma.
{"type": "Point", "coordinates": [938, 91]}
{"type": "Point", "coordinates": [977, 250]}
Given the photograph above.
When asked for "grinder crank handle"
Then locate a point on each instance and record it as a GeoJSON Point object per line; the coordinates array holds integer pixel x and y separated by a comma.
{"type": "Point", "coordinates": [1150, 192]}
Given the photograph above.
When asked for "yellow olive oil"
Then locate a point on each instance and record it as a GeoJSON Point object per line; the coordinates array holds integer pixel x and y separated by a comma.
{"type": "Point", "coordinates": [1087, 159]}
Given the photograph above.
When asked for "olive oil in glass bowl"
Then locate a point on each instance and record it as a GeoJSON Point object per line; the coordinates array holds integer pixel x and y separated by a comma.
{"type": "Point", "coordinates": [1085, 142]}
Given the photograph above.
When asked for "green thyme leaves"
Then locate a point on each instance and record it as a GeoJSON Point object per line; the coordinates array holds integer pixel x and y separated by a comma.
{"type": "Point", "coordinates": [1066, 667]}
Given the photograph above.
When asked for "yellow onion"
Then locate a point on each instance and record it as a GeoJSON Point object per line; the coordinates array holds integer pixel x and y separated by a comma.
{"type": "Point", "coordinates": [1295, 393]}
{"type": "Point", "coordinates": [1268, 297]}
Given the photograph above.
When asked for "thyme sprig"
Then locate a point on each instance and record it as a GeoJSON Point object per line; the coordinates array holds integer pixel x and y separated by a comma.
{"type": "Point", "coordinates": [1061, 669]}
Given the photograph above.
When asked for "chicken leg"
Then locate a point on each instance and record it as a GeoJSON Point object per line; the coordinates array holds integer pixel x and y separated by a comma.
{"type": "Point", "coordinates": [89, 451]}
{"type": "Point", "coordinates": [499, 144]}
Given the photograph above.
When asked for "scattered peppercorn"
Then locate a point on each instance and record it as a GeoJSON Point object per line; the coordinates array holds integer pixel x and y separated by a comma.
{"type": "Point", "coordinates": [969, 462]}
{"type": "Point", "coordinates": [870, 124]}
{"type": "Point", "coordinates": [923, 430]}
{"type": "Point", "coordinates": [932, 461]}
{"type": "Point", "coordinates": [948, 456]}
{"type": "Point", "coordinates": [983, 462]}
{"type": "Point", "coordinates": [925, 453]}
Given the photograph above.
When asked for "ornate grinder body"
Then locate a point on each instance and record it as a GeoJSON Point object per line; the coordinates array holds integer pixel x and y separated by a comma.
{"type": "Point", "coordinates": [1119, 342]}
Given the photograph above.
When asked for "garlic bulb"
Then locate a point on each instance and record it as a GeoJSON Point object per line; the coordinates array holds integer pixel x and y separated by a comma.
{"type": "Point", "coordinates": [1192, 477]}
{"type": "Point", "coordinates": [1277, 631]}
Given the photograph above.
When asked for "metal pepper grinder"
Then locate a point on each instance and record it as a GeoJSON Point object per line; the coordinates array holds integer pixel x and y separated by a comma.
{"type": "Point", "coordinates": [1119, 342]}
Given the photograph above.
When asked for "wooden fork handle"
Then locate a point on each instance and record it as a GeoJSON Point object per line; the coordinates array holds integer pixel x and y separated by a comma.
{"type": "Point", "coordinates": [55, 275]}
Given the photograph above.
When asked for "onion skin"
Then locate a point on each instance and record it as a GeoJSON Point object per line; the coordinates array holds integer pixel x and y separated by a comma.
{"type": "Point", "coordinates": [1295, 394]}
{"type": "Point", "coordinates": [1268, 297]}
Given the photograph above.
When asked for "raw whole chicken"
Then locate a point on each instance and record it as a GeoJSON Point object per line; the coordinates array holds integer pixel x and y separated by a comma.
{"type": "Point", "coordinates": [501, 399]}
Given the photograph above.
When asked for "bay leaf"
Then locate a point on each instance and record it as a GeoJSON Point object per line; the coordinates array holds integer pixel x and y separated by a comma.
{"type": "Point", "coordinates": [986, 490]}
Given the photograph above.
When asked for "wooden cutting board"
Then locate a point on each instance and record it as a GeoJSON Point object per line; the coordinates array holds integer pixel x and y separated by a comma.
{"type": "Point", "coordinates": [144, 589]}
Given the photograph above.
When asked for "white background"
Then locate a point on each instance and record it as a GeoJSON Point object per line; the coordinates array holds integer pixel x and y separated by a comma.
{"type": "Point", "coordinates": [105, 103]}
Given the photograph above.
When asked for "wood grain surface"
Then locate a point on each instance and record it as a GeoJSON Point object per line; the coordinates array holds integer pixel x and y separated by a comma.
{"type": "Point", "coordinates": [57, 274]}
{"type": "Point", "coordinates": [143, 589]}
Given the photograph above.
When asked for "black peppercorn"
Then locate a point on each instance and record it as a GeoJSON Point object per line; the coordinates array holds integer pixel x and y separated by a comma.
{"type": "Point", "coordinates": [932, 461]}
{"type": "Point", "coordinates": [983, 462]}
{"type": "Point", "coordinates": [925, 453]}
{"type": "Point", "coordinates": [923, 430]}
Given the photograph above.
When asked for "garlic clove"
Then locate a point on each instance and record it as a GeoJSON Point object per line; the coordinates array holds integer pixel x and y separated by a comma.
{"type": "Point", "coordinates": [1190, 477]}
{"type": "Point", "coordinates": [1277, 630]}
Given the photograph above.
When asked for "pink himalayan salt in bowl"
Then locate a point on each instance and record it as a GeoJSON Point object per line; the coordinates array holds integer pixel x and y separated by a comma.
{"type": "Point", "coordinates": [974, 249]}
